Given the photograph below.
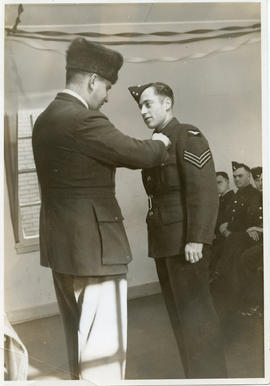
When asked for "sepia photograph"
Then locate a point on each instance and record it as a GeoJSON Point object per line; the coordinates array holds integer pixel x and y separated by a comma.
{"type": "Point", "coordinates": [135, 193]}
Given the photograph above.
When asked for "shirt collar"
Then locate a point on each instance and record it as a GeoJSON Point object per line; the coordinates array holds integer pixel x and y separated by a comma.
{"type": "Point", "coordinates": [75, 95]}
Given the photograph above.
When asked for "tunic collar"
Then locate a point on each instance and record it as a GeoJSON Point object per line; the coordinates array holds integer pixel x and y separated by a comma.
{"type": "Point", "coordinates": [75, 95]}
{"type": "Point", "coordinates": [170, 124]}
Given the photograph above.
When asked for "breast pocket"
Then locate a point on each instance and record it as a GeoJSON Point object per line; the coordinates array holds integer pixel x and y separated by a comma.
{"type": "Point", "coordinates": [169, 172]}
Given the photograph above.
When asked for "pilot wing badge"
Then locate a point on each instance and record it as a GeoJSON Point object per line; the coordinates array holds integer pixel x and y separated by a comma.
{"type": "Point", "coordinates": [196, 160]}
{"type": "Point", "coordinates": [194, 132]}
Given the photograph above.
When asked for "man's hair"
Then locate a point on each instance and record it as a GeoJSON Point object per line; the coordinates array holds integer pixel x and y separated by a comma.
{"type": "Point", "coordinates": [223, 174]}
{"type": "Point", "coordinates": [244, 166]}
{"type": "Point", "coordinates": [164, 90]}
{"type": "Point", "coordinates": [72, 75]}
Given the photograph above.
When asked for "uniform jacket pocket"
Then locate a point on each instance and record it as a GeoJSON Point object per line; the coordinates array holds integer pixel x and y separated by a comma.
{"type": "Point", "coordinates": [108, 212]}
{"type": "Point", "coordinates": [114, 243]}
{"type": "Point", "coordinates": [171, 214]}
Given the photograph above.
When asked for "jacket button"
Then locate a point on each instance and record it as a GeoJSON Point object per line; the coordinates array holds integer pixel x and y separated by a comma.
{"type": "Point", "coordinates": [260, 217]}
{"type": "Point", "coordinates": [151, 213]}
{"type": "Point", "coordinates": [116, 218]}
{"type": "Point", "coordinates": [235, 202]}
{"type": "Point", "coordinates": [260, 208]}
{"type": "Point", "coordinates": [162, 164]}
{"type": "Point", "coordinates": [233, 210]}
{"type": "Point", "coordinates": [148, 178]}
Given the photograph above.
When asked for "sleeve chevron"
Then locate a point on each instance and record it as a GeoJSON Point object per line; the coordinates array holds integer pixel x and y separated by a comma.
{"type": "Point", "coordinates": [198, 161]}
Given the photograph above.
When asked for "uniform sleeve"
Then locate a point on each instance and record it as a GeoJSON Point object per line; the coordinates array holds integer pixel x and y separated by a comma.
{"type": "Point", "coordinates": [200, 188]}
{"type": "Point", "coordinates": [99, 139]}
{"type": "Point", "coordinates": [255, 210]}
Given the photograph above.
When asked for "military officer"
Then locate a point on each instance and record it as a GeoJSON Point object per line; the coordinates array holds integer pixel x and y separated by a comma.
{"type": "Point", "coordinates": [257, 177]}
{"type": "Point", "coordinates": [250, 266]}
{"type": "Point", "coordinates": [82, 237]}
{"type": "Point", "coordinates": [226, 196]}
{"type": "Point", "coordinates": [183, 204]}
{"type": "Point", "coordinates": [240, 233]}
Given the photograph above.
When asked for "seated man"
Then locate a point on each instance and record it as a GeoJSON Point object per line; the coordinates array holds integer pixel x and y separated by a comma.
{"type": "Point", "coordinates": [238, 235]}
{"type": "Point", "coordinates": [226, 196]}
{"type": "Point", "coordinates": [250, 266]}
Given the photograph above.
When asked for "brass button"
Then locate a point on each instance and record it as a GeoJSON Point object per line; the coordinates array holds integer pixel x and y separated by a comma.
{"type": "Point", "coordinates": [151, 213]}
{"type": "Point", "coordinates": [235, 202]}
{"type": "Point", "coordinates": [162, 164]}
{"type": "Point", "coordinates": [116, 218]}
{"type": "Point", "coordinates": [148, 178]}
{"type": "Point", "coordinates": [233, 210]}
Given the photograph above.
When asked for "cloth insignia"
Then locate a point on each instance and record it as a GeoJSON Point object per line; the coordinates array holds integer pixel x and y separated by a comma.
{"type": "Point", "coordinates": [194, 132]}
{"type": "Point", "coordinates": [198, 161]}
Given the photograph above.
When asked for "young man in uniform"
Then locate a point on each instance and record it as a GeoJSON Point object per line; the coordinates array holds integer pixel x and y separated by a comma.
{"type": "Point", "coordinates": [183, 205]}
{"type": "Point", "coordinates": [82, 237]}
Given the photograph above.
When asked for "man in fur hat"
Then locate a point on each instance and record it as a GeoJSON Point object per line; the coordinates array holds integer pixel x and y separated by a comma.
{"type": "Point", "coordinates": [82, 237]}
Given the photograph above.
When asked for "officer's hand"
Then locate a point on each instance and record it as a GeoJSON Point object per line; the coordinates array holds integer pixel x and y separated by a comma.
{"type": "Point", "coordinates": [193, 252]}
{"type": "Point", "coordinates": [253, 234]}
{"type": "Point", "coordinates": [258, 229]}
{"type": "Point", "coordinates": [161, 137]}
{"type": "Point", "coordinates": [226, 233]}
{"type": "Point", "coordinates": [223, 227]}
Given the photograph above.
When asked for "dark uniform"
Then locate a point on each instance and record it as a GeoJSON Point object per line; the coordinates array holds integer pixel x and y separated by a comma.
{"type": "Point", "coordinates": [183, 205]}
{"type": "Point", "coordinates": [245, 213]}
{"type": "Point", "coordinates": [250, 270]}
{"type": "Point", "coordinates": [82, 237]}
{"type": "Point", "coordinates": [225, 207]}
{"type": "Point", "coordinates": [76, 152]}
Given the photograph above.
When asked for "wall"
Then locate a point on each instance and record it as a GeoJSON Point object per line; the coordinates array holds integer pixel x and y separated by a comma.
{"type": "Point", "coordinates": [220, 94]}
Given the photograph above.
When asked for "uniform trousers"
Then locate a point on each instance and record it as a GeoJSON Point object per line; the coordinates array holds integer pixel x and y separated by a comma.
{"type": "Point", "coordinates": [193, 317]}
{"type": "Point", "coordinates": [94, 315]}
{"type": "Point", "coordinates": [250, 274]}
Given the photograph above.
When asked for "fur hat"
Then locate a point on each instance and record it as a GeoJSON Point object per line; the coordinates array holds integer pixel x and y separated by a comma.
{"type": "Point", "coordinates": [83, 55]}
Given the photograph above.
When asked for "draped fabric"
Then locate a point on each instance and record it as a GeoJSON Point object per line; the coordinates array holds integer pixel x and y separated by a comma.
{"type": "Point", "coordinates": [178, 42]}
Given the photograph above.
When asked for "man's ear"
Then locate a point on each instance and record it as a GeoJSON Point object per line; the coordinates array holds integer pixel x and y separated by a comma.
{"type": "Point", "coordinates": [91, 81]}
{"type": "Point", "coordinates": [168, 103]}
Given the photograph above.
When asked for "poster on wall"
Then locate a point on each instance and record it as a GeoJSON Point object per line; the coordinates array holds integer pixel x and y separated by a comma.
{"type": "Point", "coordinates": [135, 189]}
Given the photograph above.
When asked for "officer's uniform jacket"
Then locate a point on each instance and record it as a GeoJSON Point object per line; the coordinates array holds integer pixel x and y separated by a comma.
{"type": "Point", "coordinates": [182, 193]}
{"type": "Point", "coordinates": [246, 210]}
{"type": "Point", "coordinates": [76, 152]}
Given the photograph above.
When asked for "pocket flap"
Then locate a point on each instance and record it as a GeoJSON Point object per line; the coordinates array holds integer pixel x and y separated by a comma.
{"type": "Point", "coordinates": [108, 212]}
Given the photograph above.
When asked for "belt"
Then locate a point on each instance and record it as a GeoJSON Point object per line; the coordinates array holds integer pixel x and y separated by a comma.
{"type": "Point", "coordinates": [78, 192]}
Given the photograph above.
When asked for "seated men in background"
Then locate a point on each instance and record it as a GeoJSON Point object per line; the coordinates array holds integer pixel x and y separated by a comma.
{"type": "Point", "coordinates": [238, 235]}
{"type": "Point", "coordinates": [257, 177]}
{"type": "Point", "coordinates": [250, 266]}
{"type": "Point", "coordinates": [245, 201]}
{"type": "Point", "coordinates": [225, 199]}
{"type": "Point", "coordinates": [225, 202]}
